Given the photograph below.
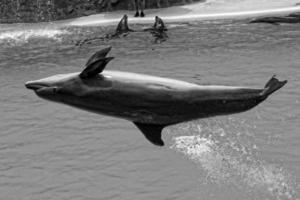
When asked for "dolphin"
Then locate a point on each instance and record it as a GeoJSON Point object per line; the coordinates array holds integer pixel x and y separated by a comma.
{"type": "Point", "coordinates": [150, 102]}
{"type": "Point", "coordinates": [158, 25]}
{"type": "Point", "coordinates": [158, 30]}
{"type": "Point", "coordinates": [121, 30]}
{"type": "Point", "coordinates": [122, 27]}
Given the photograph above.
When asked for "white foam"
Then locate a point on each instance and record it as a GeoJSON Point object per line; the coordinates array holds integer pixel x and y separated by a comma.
{"type": "Point", "coordinates": [242, 5]}
{"type": "Point", "coordinates": [226, 160]}
{"type": "Point", "coordinates": [25, 34]}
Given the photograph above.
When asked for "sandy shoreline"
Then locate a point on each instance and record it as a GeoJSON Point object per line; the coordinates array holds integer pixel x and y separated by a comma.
{"type": "Point", "coordinates": [193, 12]}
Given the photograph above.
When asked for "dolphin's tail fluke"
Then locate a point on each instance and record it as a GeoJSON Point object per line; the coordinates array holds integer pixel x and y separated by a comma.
{"type": "Point", "coordinates": [272, 85]}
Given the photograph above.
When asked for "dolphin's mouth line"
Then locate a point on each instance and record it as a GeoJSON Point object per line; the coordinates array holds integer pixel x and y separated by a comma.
{"type": "Point", "coordinates": [35, 86]}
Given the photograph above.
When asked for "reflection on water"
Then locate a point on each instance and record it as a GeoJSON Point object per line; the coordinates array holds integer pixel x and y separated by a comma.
{"type": "Point", "coordinates": [50, 151]}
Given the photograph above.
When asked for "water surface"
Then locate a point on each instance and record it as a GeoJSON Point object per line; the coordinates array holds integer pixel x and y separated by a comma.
{"type": "Point", "coordinates": [52, 151]}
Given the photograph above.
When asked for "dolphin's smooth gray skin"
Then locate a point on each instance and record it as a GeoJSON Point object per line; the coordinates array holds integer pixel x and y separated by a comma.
{"type": "Point", "coordinates": [150, 102]}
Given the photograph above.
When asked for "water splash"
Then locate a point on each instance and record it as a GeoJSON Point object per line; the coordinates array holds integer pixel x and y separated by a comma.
{"type": "Point", "coordinates": [21, 36]}
{"type": "Point", "coordinates": [228, 155]}
{"type": "Point", "coordinates": [238, 5]}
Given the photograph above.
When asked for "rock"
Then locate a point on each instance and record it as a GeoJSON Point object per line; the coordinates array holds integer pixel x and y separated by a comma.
{"type": "Point", "coordinates": [289, 19]}
{"type": "Point", "coordinates": [70, 9]}
{"type": "Point", "coordinates": [88, 12]}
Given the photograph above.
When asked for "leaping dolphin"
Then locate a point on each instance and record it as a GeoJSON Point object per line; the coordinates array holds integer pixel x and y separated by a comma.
{"type": "Point", "coordinates": [150, 102]}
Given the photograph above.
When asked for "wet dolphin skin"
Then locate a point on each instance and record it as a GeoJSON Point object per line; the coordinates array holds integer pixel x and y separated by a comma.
{"type": "Point", "coordinates": [150, 102]}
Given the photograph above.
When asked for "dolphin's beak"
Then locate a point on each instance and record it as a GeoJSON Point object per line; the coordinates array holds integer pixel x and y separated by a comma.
{"type": "Point", "coordinates": [35, 85]}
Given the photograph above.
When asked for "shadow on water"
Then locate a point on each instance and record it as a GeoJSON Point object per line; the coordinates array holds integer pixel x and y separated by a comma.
{"type": "Point", "coordinates": [226, 151]}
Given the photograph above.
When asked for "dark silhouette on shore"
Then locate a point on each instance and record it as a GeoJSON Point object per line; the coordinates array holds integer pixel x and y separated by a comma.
{"type": "Point", "coordinates": [139, 4]}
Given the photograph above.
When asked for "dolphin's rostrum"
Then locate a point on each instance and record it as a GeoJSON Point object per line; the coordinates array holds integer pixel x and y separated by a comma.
{"type": "Point", "coordinates": [150, 102]}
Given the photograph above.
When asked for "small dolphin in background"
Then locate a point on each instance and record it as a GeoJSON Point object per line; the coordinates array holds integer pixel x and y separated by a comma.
{"type": "Point", "coordinates": [150, 102]}
{"type": "Point", "coordinates": [122, 27]}
{"type": "Point", "coordinates": [158, 30]}
{"type": "Point", "coordinates": [121, 30]}
{"type": "Point", "coordinates": [159, 25]}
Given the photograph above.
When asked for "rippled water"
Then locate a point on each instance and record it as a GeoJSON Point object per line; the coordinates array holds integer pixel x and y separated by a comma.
{"type": "Point", "coordinates": [51, 151]}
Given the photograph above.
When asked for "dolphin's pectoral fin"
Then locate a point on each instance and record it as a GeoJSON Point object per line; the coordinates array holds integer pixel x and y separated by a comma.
{"type": "Point", "coordinates": [95, 68]}
{"type": "Point", "coordinates": [98, 55]}
{"type": "Point", "coordinates": [152, 132]}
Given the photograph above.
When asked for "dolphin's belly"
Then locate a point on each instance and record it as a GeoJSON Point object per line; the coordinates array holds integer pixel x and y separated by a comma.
{"type": "Point", "coordinates": [172, 114]}
{"type": "Point", "coordinates": [158, 104]}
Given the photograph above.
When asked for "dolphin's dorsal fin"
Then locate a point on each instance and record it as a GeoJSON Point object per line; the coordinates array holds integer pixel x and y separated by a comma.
{"type": "Point", "coordinates": [152, 132]}
{"type": "Point", "coordinates": [95, 68]}
{"type": "Point", "coordinates": [123, 26]}
{"type": "Point", "coordinates": [96, 63]}
{"type": "Point", "coordinates": [159, 24]}
{"type": "Point", "coordinates": [98, 55]}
